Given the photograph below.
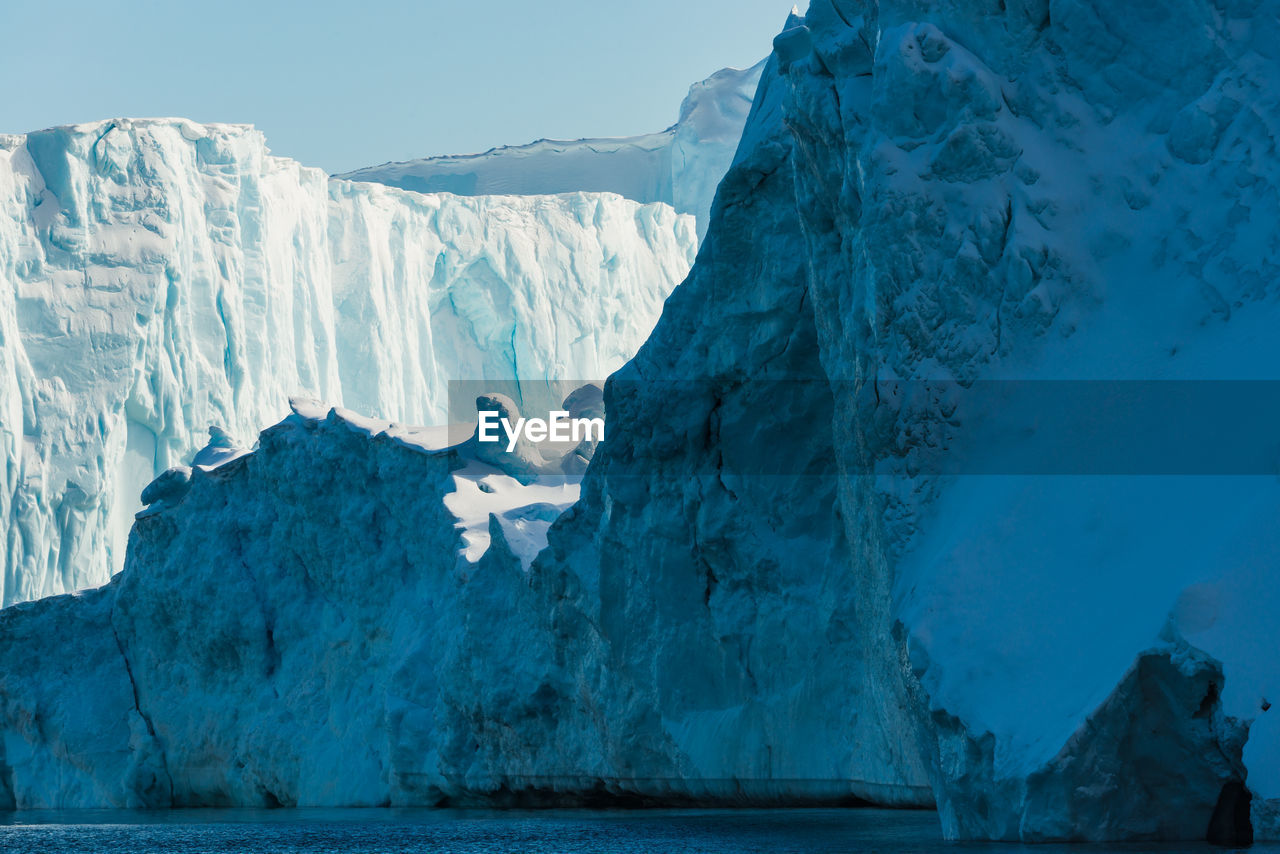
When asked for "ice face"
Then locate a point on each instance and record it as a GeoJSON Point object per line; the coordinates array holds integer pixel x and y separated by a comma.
{"type": "Point", "coordinates": [350, 572]}
{"type": "Point", "coordinates": [680, 166]}
{"type": "Point", "coordinates": [162, 277]}
{"type": "Point", "coordinates": [735, 609]}
{"type": "Point", "coordinates": [324, 590]}
{"type": "Point", "coordinates": [730, 580]}
{"type": "Point", "coordinates": [1076, 192]}
{"type": "Point", "coordinates": [326, 621]}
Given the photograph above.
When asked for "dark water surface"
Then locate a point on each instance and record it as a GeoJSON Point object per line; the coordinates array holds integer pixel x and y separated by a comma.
{"type": "Point", "coordinates": [391, 831]}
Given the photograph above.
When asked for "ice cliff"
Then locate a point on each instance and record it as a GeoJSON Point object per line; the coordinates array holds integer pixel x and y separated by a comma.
{"type": "Point", "coordinates": [315, 622]}
{"type": "Point", "coordinates": [795, 572]}
{"type": "Point", "coordinates": [316, 586]}
{"type": "Point", "coordinates": [1052, 191]}
{"type": "Point", "coordinates": [680, 166]}
{"type": "Point", "coordinates": [159, 277]}
{"type": "Point", "coordinates": [384, 640]}
{"type": "Point", "coordinates": [739, 639]}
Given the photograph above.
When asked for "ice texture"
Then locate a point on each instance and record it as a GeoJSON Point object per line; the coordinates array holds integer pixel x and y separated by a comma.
{"type": "Point", "coordinates": [379, 612]}
{"type": "Point", "coordinates": [739, 638]}
{"type": "Point", "coordinates": [1079, 190]}
{"type": "Point", "coordinates": [294, 626]}
{"type": "Point", "coordinates": [762, 594]}
{"type": "Point", "coordinates": [312, 623]}
{"type": "Point", "coordinates": [680, 166]}
{"type": "Point", "coordinates": [162, 277]}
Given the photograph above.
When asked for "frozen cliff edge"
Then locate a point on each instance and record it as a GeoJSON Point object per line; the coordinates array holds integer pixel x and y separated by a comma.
{"type": "Point", "coordinates": [1068, 191]}
{"type": "Point", "coordinates": [159, 277]}
{"type": "Point", "coordinates": [680, 166]}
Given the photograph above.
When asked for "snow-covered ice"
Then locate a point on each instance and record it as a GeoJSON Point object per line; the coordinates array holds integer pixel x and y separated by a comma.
{"type": "Point", "coordinates": [368, 609]}
{"type": "Point", "coordinates": [525, 511]}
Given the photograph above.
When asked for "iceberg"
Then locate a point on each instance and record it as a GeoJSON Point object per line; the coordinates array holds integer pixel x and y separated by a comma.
{"type": "Point", "coordinates": [356, 613]}
{"type": "Point", "coordinates": [797, 570]}
{"type": "Point", "coordinates": [294, 625]}
{"type": "Point", "coordinates": [1077, 192]}
{"type": "Point", "coordinates": [162, 278]}
{"type": "Point", "coordinates": [735, 639]}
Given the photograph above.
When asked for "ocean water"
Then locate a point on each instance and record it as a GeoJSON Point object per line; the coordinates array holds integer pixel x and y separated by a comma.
{"type": "Point", "coordinates": [389, 831]}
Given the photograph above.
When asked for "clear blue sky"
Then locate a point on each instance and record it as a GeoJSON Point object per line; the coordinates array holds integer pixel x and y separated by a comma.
{"type": "Point", "coordinates": [343, 85]}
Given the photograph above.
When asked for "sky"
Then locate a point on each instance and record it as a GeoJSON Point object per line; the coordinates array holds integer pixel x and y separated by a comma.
{"type": "Point", "coordinates": [344, 85]}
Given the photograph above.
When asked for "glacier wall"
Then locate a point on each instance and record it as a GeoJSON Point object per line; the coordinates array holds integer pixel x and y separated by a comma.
{"type": "Point", "coordinates": [688, 637]}
{"type": "Point", "coordinates": [768, 590]}
{"type": "Point", "coordinates": [680, 166]}
{"type": "Point", "coordinates": [160, 277]}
